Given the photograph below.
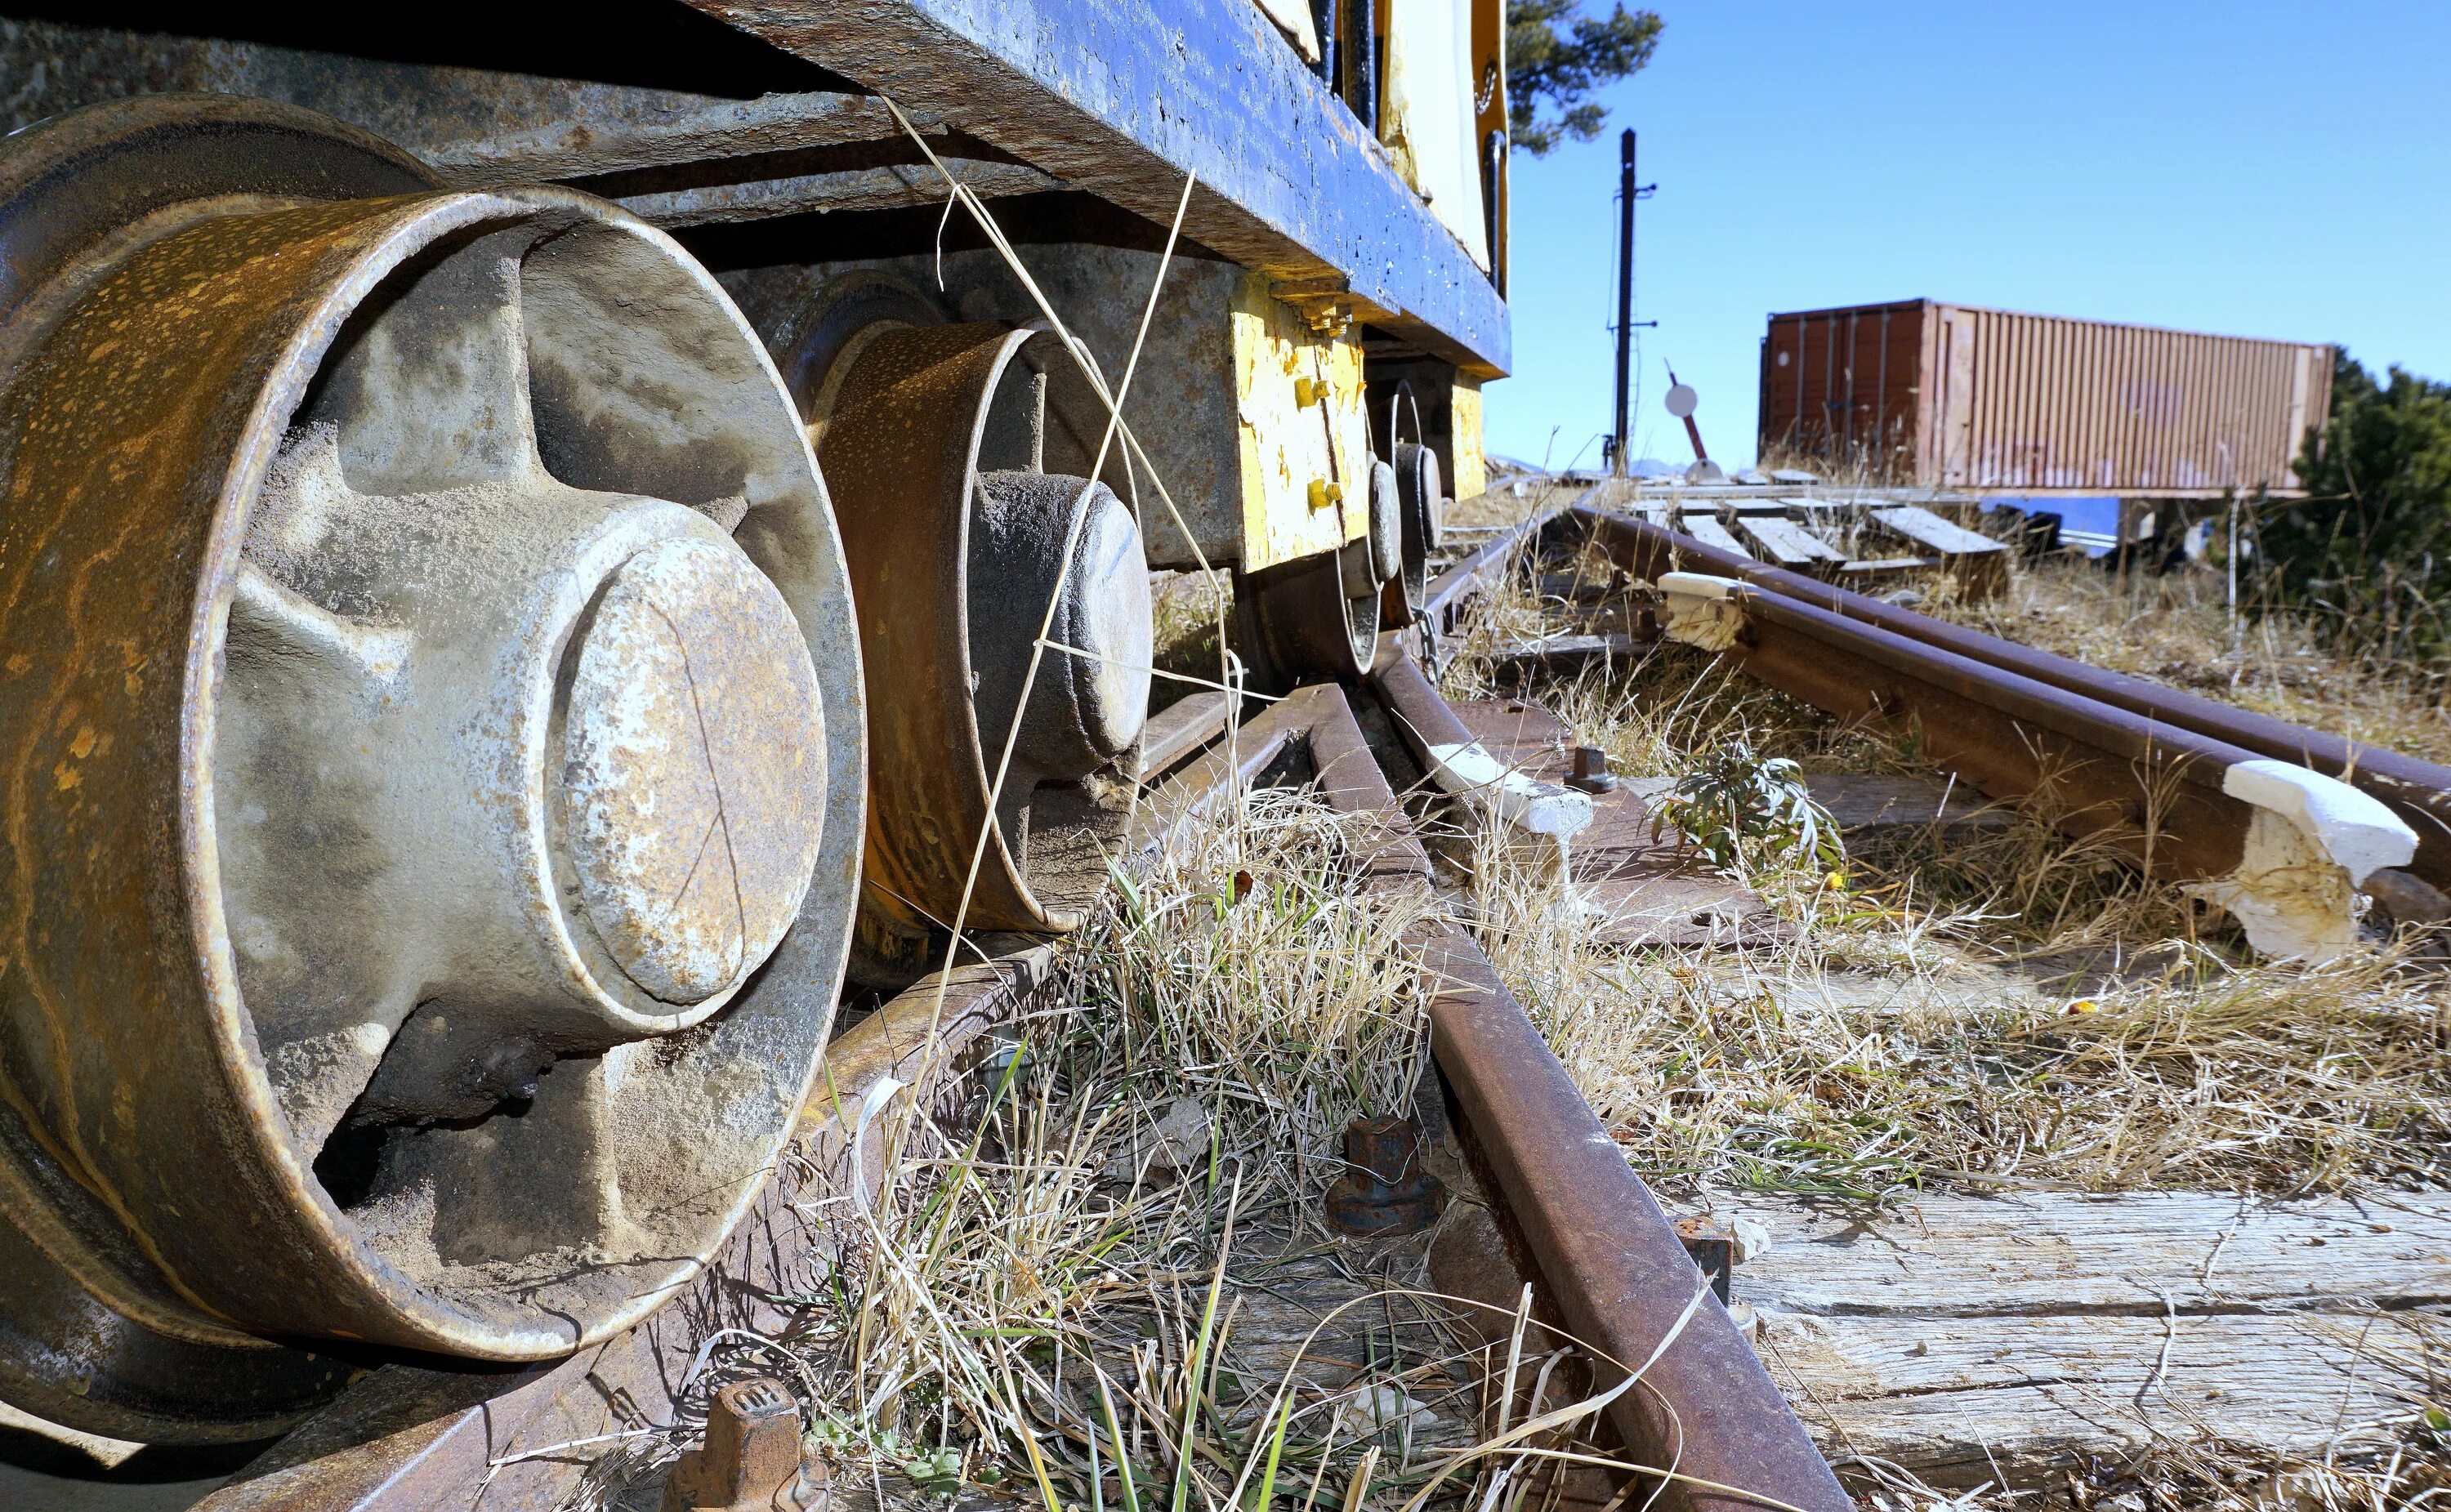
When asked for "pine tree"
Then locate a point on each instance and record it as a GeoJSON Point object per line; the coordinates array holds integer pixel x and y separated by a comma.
{"type": "Point", "coordinates": [2369, 546]}
{"type": "Point", "coordinates": [1562, 67]}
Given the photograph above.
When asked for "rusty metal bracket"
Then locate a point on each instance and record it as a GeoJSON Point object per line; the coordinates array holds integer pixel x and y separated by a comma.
{"type": "Point", "coordinates": [1386, 1189]}
{"type": "Point", "coordinates": [1326, 304]}
{"type": "Point", "coordinates": [750, 1460]}
{"type": "Point", "coordinates": [1460, 764]}
{"type": "Point", "coordinates": [1714, 1250]}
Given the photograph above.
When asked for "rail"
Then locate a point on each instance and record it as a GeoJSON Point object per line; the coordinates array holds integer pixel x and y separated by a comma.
{"type": "Point", "coordinates": [2256, 823]}
{"type": "Point", "coordinates": [2418, 791]}
{"type": "Point", "coordinates": [1607, 1254]}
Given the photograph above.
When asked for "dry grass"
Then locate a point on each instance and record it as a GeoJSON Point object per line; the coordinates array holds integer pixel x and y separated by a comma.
{"type": "Point", "coordinates": [1100, 1279]}
{"type": "Point", "coordinates": [1864, 466]}
{"type": "Point", "coordinates": [1509, 497]}
{"type": "Point", "coordinates": [2176, 629]}
{"type": "Point", "coordinates": [1189, 612]}
{"type": "Point", "coordinates": [2010, 1010]}
{"type": "Point", "coordinates": [1920, 1026]}
{"type": "Point", "coordinates": [1875, 1056]}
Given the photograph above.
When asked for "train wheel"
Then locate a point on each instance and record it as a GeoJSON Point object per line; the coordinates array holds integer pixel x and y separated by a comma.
{"type": "Point", "coordinates": [1420, 508]}
{"type": "Point", "coordinates": [1317, 616]}
{"type": "Point", "coordinates": [1320, 615]}
{"type": "Point", "coordinates": [956, 454]}
{"type": "Point", "coordinates": [431, 762]}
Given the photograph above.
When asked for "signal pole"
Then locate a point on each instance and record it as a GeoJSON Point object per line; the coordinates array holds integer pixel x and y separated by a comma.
{"type": "Point", "coordinates": [1627, 192]}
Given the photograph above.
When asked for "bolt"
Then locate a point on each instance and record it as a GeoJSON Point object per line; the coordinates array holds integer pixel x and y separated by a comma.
{"type": "Point", "coordinates": [1384, 1190]}
{"type": "Point", "coordinates": [750, 1459]}
{"type": "Point", "coordinates": [1591, 772]}
{"type": "Point", "coordinates": [1006, 1056]}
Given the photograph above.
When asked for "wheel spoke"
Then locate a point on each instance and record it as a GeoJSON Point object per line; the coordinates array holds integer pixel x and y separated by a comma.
{"type": "Point", "coordinates": [318, 1076]}
{"type": "Point", "coordinates": [431, 392]}
{"type": "Point", "coordinates": [326, 1000]}
{"type": "Point", "coordinates": [535, 1178]}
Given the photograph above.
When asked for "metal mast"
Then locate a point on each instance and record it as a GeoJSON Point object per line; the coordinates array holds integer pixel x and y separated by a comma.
{"type": "Point", "coordinates": [1627, 192]}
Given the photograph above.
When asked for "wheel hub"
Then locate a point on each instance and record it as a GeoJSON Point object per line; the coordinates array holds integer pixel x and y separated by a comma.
{"type": "Point", "coordinates": [692, 848]}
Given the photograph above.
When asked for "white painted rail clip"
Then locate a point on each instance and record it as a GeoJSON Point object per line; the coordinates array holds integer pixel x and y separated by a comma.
{"type": "Point", "coordinates": [2312, 843]}
{"type": "Point", "coordinates": [1703, 609]}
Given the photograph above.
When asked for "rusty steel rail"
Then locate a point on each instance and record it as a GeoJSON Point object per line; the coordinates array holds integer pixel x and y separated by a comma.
{"type": "Point", "coordinates": [2153, 790]}
{"type": "Point", "coordinates": [1608, 1257]}
{"type": "Point", "coordinates": [2418, 791]}
{"type": "Point", "coordinates": [1179, 732]}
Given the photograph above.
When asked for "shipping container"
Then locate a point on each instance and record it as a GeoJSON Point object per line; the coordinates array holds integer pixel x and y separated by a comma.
{"type": "Point", "coordinates": [1949, 396]}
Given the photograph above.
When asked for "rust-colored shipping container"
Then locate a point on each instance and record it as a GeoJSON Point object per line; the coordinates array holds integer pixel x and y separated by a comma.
{"type": "Point", "coordinates": [1947, 396]}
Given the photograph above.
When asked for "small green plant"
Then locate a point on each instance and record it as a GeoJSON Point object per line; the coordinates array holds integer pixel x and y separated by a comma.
{"type": "Point", "coordinates": [937, 1472]}
{"type": "Point", "coordinates": [830, 1435]}
{"type": "Point", "coordinates": [1746, 811]}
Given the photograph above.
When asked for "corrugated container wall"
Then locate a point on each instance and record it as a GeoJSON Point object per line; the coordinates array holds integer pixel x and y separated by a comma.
{"type": "Point", "coordinates": [1947, 396]}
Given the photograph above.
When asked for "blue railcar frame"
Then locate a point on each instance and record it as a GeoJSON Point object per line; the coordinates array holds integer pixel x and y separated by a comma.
{"type": "Point", "coordinates": [1121, 97]}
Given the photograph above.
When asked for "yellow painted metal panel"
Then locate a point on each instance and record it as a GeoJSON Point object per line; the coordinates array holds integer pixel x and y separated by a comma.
{"type": "Point", "coordinates": [1305, 446]}
{"type": "Point", "coordinates": [1464, 440]}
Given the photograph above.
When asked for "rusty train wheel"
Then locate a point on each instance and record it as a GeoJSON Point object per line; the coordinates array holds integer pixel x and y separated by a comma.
{"type": "Point", "coordinates": [956, 454]}
{"type": "Point", "coordinates": [431, 766]}
{"type": "Point", "coordinates": [1304, 620]}
{"type": "Point", "coordinates": [1420, 508]}
{"type": "Point", "coordinates": [1320, 615]}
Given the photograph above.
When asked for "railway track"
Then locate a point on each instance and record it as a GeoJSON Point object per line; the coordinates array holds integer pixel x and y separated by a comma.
{"type": "Point", "coordinates": [1577, 1224]}
{"type": "Point", "coordinates": [2278, 824]}
{"type": "Point", "coordinates": [2414, 789]}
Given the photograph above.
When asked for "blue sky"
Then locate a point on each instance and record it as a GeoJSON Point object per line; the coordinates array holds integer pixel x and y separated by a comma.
{"type": "Point", "coordinates": [2247, 169]}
